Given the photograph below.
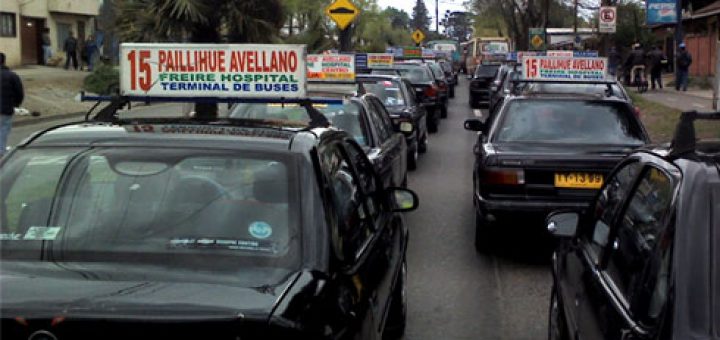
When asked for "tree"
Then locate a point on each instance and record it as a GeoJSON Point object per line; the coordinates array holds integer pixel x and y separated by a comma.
{"type": "Point", "coordinates": [398, 18]}
{"type": "Point", "coordinates": [420, 17]}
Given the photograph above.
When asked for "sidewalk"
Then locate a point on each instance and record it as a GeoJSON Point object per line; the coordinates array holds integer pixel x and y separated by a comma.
{"type": "Point", "coordinates": [52, 92]}
{"type": "Point", "coordinates": [693, 99]}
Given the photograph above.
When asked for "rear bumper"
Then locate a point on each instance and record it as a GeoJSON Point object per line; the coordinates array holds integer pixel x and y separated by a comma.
{"type": "Point", "coordinates": [492, 207]}
{"type": "Point", "coordinates": [480, 95]}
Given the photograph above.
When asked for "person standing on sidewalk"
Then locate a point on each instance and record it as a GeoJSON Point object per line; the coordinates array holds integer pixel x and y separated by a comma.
{"type": "Point", "coordinates": [47, 49]}
{"type": "Point", "coordinates": [11, 96]}
{"type": "Point", "coordinates": [70, 48]}
{"type": "Point", "coordinates": [656, 57]}
{"type": "Point", "coordinates": [89, 52]}
{"type": "Point", "coordinates": [683, 61]}
{"type": "Point", "coordinates": [614, 61]}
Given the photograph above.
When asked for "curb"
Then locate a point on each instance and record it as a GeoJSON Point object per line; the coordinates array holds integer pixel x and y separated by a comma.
{"type": "Point", "coordinates": [45, 119]}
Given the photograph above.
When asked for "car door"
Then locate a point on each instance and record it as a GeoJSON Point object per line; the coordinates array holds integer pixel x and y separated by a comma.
{"type": "Point", "coordinates": [578, 261]}
{"type": "Point", "coordinates": [358, 232]}
{"type": "Point", "coordinates": [389, 154]}
{"type": "Point", "coordinates": [623, 288]}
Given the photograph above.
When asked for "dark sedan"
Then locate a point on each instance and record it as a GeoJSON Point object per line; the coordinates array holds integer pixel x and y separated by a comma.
{"type": "Point", "coordinates": [443, 87]}
{"type": "Point", "coordinates": [545, 152]}
{"type": "Point", "coordinates": [180, 229]}
{"type": "Point", "coordinates": [426, 88]}
{"type": "Point", "coordinates": [451, 76]}
{"type": "Point", "coordinates": [365, 118]}
{"type": "Point", "coordinates": [642, 264]}
{"type": "Point", "coordinates": [408, 116]}
{"type": "Point", "coordinates": [480, 84]}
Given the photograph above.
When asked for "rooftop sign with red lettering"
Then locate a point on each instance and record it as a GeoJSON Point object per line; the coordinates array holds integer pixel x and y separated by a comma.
{"type": "Point", "coordinates": [209, 70]}
{"type": "Point", "coordinates": [564, 69]}
{"type": "Point", "coordinates": [331, 67]}
{"type": "Point", "coordinates": [380, 60]}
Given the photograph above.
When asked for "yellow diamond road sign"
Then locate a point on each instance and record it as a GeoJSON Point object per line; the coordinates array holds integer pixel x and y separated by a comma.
{"type": "Point", "coordinates": [537, 41]}
{"type": "Point", "coordinates": [343, 12]}
{"type": "Point", "coordinates": [418, 36]}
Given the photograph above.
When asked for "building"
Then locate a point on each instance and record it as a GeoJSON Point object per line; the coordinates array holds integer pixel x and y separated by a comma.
{"type": "Point", "coordinates": [23, 21]}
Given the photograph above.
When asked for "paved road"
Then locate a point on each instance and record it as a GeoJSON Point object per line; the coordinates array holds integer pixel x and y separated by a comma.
{"type": "Point", "coordinates": [455, 293]}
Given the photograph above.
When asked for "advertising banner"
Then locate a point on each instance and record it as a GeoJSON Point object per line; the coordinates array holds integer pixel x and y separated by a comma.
{"type": "Point", "coordinates": [210, 70]}
{"type": "Point", "coordinates": [331, 67]}
{"type": "Point", "coordinates": [661, 12]}
{"type": "Point", "coordinates": [380, 60]}
{"type": "Point", "coordinates": [412, 52]}
{"type": "Point", "coordinates": [564, 69]}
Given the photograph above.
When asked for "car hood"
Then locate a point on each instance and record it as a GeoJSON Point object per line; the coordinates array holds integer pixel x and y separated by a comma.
{"type": "Point", "coordinates": [46, 290]}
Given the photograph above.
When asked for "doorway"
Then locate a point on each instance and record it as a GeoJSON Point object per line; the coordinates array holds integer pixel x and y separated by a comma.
{"type": "Point", "coordinates": [31, 40]}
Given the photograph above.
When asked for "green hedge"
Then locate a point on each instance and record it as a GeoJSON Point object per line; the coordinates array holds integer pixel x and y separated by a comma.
{"type": "Point", "coordinates": [104, 80]}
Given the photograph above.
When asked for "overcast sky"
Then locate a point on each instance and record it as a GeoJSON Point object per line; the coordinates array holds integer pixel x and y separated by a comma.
{"type": "Point", "coordinates": [407, 6]}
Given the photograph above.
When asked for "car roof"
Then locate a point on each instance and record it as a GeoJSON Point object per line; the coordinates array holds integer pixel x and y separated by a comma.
{"type": "Point", "coordinates": [378, 77]}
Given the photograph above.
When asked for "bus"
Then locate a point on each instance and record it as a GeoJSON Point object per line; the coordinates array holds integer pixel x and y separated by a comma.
{"type": "Point", "coordinates": [450, 47]}
{"type": "Point", "coordinates": [477, 50]}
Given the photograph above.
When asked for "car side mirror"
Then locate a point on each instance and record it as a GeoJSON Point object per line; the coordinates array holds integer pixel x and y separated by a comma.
{"type": "Point", "coordinates": [474, 124]}
{"type": "Point", "coordinates": [403, 199]}
{"type": "Point", "coordinates": [562, 223]}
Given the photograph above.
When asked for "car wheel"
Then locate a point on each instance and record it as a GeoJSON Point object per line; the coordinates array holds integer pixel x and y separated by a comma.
{"type": "Point", "coordinates": [474, 102]}
{"type": "Point", "coordinates": [433, 122]}
{"type": "Point", "coordinates": [557, 327]}
{"type": "Point", "coordinates": [397, 316]}
{"type": "Point", "coordinates": [443, 110]}
{"type": "Point", "coordinates": [482, 234]}
{"type": "Point", "coordinates": [422, 146]}
{"type": "Point", "coordinates": [452, 92]}
{"type": "Point", "coordinates": [412, 158]}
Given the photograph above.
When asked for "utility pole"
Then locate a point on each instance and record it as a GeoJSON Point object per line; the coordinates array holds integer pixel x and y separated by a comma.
{"type": "Point", "coordinates": [346, 39]}
{"type": "Point", "coordinates": [437, 17]}
{"type": "Point", "coordinates": [546, 21]}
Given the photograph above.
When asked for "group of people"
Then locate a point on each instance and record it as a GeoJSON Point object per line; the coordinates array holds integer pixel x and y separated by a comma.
{"type": "Point", "coordinates": [88, 51]}
{"type": "Point", "coordinates": [638, 60]}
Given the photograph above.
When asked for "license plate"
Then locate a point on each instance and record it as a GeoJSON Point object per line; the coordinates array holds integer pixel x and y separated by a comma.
{"type": "Point", "coordinates": [580, 180]}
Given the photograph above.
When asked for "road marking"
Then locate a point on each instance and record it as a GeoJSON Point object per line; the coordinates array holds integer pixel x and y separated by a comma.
{"type": "Point", "coordinates": [477, 113]}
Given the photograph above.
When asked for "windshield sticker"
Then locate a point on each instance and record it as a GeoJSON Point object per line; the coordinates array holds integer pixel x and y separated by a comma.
{"type": "Point", "coordinates": [209, 243]}
{"type": "Point", "coordinates": [260, 230]}
{"type": "Point", "coordinates": [41, 233]}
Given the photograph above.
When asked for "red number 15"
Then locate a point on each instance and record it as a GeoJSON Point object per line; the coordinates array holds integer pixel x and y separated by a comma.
{"type": "Point", "coordinates": [531, 66]}
{"type": "Point", "coordinates": [140, 65]}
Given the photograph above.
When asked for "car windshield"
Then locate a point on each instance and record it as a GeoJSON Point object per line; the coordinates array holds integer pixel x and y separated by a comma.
{"type": "Point", "coordinates": [591, 89]}
{"type": "Point", "coordinates": [154, 206]}
{"type": "Point", "coordinates": [387, 91]}
{"type": "Point", "coordinates": [415, 73]}
{"type": "Point", "coordinates": [345, 116]}
{"type": "Point", "coordinates": [567, 121]}
{"type": "Point", "coordinates": [487, 71]}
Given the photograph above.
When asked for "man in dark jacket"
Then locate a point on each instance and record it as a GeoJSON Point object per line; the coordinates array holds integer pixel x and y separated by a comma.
{"type": "Point", "coordinates": [635, 64]}
{"type": "Point", "coordinates": [683, 60]}
{"type": "Point", "coordinates": [614, 60]}
{"type": "Point", "coordinates": [11, 96]}
{"type": "Point", "coordinates": [70, 48]}
{"type": "Point", "coordinates": [656, 58]}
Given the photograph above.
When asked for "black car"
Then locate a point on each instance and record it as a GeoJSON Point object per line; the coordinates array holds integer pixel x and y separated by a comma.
{"type": "Point", "coordinates": [364, 117]}
{"type": "Point", "coordinates": [443, 86]}
{"type": "Point", "coordinates": [543, 152]}
{"type": "Point", "coordinates": [426, 88]}
{"type": "Point", "coordinates": [187, 229]}
{"type": "Point", "coordinates": [642, 263]}
{"type": "Point", "coordinates": [408, 116]}
{"type": "Point", "coordinates": [451, 76]}
{"type": "Point", "coordinates": [503, 85]}
{"type": "Point", "coordinates": [480, 84]}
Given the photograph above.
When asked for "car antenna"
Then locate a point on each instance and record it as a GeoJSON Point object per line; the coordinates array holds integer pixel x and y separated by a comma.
{"type": "Point", "coordinates": [317, 119]}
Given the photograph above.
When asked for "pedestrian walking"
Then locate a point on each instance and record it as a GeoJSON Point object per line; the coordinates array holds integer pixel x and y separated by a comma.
{"type": "Point", "coordinates": [614, 61]}
{"type": "Point", "coordinates": [11, 96]}
{"type": "Point", "coordinates": [635, 65]}
{"type": "Point", "coordinates": [89, 52]}
{"type": "Point", "coordinates": [70, 48]}
{"type": "Point", "coordinates": [656, 57]}
{"type": "Point", "coordinates": [47, 49]}
{"type": "Point", "coordinates": [683, 61]}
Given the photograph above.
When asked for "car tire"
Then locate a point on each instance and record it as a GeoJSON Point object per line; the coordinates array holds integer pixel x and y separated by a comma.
{"type": "Point", "coordinates": [452, 92]}
{"type": "Point", "coordinates": [557, 326]}
{"type": "Point", "coordinates": [397, 316]}
{"type": "Point", "coordinates": [443, 110]}
{"type": "Point", "coordinates": [412, 158]}
{"type": "Point", "coordinates": [434, 122]}
{"type": "Point", "coordinates": [423, 143]}
{"type": "Point", "coordinates": [474, 102]}
{"type": "Point", "coordinates": [482, 235]}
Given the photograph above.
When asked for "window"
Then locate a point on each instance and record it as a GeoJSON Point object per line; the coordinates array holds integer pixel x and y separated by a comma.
{"type": "Point", "coordinates": [375, 113]}
{"type": "Point", "coordinates": [640, 258]}
{"type": "Point", "coordinates": [8, 24]}
{"type": "Point", "coordinates": [608, 207]}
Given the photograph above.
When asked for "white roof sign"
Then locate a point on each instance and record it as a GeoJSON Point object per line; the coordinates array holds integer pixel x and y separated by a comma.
{"type": "Point", "coordinates": [564, 68]}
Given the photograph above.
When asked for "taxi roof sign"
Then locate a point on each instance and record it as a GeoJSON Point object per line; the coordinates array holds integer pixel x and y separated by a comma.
{"type": "Point", "coordinates": [213, 70]}
{"type": "Point", "coordinates": [342, 12]}
{"type": "Point", "coordinates": [331, 67]}
{"type": "Point", "coordinates": [564, 69]}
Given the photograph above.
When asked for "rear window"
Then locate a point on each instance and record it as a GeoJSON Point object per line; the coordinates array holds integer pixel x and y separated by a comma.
{"type": "Point", "coordinates": [389, 92]}
{"type": "Point", "coordinates": [487, 71]}
{"type": "Point", "coordinates": [567, 121]}
{"type": "Point", "coordinates": [415, 73]}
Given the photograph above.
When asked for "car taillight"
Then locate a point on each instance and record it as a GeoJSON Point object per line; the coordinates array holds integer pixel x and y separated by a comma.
{"type": "Point", "coordinates": [431, 91]}
{"type": "Point", "coordinates": [637, 111]}
{"type": "Point", "coordinates": [503, 176]}
{"type": "Point", "coordinates": [442, 85]}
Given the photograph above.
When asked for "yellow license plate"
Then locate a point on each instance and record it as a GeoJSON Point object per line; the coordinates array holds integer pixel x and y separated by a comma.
{"type": "Point", "coordinates": [580, 180]}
